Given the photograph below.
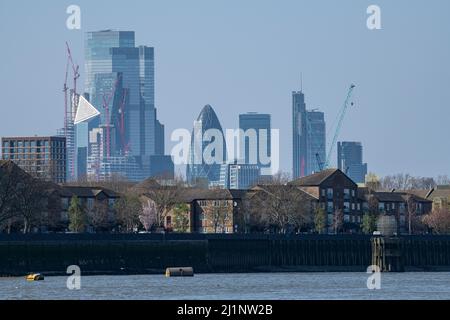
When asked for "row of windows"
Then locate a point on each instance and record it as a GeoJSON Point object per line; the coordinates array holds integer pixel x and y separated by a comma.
{"type": "Point", "coordinates": [89, 202]}
{"type": "Point", "coordinates": [26, 156]}
{"type": "Point", "coordinates": [33, 143]}
{"type": "Point", "coordinates": [347, 206]}
{"type": "Point", "coordinates": [33, 150]}
{"type": "Point", "coordinates": [329, 192]}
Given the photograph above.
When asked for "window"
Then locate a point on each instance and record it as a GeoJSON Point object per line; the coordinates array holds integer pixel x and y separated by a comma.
{"type": "Point", "coordinates": [330, 219]}
{"type": "Point", "coordinates": [346, 218]}
{"type": "Point", "coordinates": [358, 206]}
{"type": "Point", "coordinates": [353, 192]}
{"type": "Point", "coordinates": [329, 193]}
{"type": "Point", "coordinates": [323, 192]}
{"type": "Point", "coordinates": [381, 206]}
{"type": "Point", "coordinates": [401, 207]}
{"type": "Point", "coordinates": [346, 206]}
{"type": "Point", "coordinates": [346, 193]}
{"type": "Point", "coordinates": [111, 203]}
{"type": "Point", "coordinates": [330, 206]}
{"type": "Point", "coordinates": [90, 203]}
{"type": "Point", "coordinates": [393, 206]}
{"type": "Point", "coordinates": [65, 203]}
{"type": "Point", "coordinates": [353, 206]}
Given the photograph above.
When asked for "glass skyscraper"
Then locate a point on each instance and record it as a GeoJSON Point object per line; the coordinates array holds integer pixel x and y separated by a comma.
{"type": "Point", "coordinates": [299, 157]}
{"type": "Point", "coordinates": [121, 75]}
{"type": "Point", "coordinates": [316, 141]}
{"type": "Point", "coordinates": [256, 149]}
{"type": "Point", "coordinates": [350, 160]}
{"type": "Point", "coordinates": [204, 161]}
{"type": "Point", "coordinates": [308, 138]}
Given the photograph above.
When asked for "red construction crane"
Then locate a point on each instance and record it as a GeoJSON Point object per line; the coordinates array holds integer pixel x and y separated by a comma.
{"type": "Point", "coordinates": [75, 69]}
{"type": "Point", "coordinates": [122, 121]}
{"type": "Point", "coordinates": [65, 89]}
{"type": "Point", "coordinates": [106, 100]}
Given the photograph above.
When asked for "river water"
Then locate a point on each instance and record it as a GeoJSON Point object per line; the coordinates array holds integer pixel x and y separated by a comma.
{"type": "Point", "coordinates": [235, 286]}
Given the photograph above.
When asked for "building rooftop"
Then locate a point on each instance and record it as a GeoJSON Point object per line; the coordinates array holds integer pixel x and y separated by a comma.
{"type": "Point", "coordinates": [315, 179]}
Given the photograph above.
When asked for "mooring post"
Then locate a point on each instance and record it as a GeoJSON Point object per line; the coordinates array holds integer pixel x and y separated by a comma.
{"type": "Point", "coordinates": [387, 254]}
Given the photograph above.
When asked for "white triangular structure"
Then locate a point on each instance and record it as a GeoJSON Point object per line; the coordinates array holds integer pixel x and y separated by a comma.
{"type": "Point", "coordinates": [85, 111]}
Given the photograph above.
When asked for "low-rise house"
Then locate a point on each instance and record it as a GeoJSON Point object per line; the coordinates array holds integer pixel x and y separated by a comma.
{"type": "Point", "coordinates": [95, 200]}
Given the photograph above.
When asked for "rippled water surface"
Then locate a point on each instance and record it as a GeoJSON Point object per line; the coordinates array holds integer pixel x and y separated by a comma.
{"type": "Point", "coordinates": [235, 286]}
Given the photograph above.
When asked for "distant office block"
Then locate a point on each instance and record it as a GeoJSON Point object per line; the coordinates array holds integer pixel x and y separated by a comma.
{"type": "Point", "coordinates": [158, 166]}
{"type": "Point", "coordinates": [309, 138]}
{"type": "Point", "coordinates": [350, 160]}
{"type": "Point", "coordinates": [239, 176]}
{"type": "Point", "coordinates": [257, 139]}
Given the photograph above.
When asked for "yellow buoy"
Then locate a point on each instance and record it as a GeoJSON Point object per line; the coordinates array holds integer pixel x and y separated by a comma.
{"type": "Point", "coordinates": [35, 277]}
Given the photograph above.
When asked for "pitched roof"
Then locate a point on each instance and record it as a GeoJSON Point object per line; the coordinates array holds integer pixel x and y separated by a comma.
{"type": "Point", "coordinates": [86, 192]}
{"type": "Point", "coordinates": [315, 179]}
{"type": "Point", "coordinates": [284, 189]}
{"type": "Point", "coordinates": [192, 194]}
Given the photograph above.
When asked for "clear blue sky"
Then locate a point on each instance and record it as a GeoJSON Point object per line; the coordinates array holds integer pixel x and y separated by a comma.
{"type": "Point", "coordinates": [244, 56]}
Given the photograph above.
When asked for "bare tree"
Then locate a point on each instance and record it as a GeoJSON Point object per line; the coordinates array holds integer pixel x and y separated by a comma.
{"type": "Point", "coordinates": [405, 181]}
{"type": "Point", "coordinates": [31, 203]}
{"type": "Point", "coordinates": [148, 215]}
{"type": "Point", "coordinates": [99, 216]}
{"type": "Point", "coordinates": [218, 213]}
{"type": "Point", "coordinates": [442, 180]}
{"type": "Point", "coordinates": [338, 221]}
{"type": "Point", "coordinates": [438, 220]}
{"type": "Point", "coordinates": [412, 208]}
{"type": "Point", "coordinates": [165, 198]}
{"type": "Point", "coordinates": [281, 207]}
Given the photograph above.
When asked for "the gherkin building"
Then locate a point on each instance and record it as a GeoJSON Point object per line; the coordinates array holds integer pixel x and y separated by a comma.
{"type": "Point", "coordinates": [207, 150]}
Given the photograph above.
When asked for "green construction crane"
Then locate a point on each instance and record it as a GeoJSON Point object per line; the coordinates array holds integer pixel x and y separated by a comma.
{"type": "Point", "coordinates": [338, 127]}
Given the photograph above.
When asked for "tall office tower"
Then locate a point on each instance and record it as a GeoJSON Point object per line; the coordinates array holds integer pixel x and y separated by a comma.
{"type": "Point", "coordinates": [350, 160]}
{"type": "Point", "coordinates": [120, 82]}
{"type": "Point", "coordinates": [299, 134]}
{"type": "Point", "coordinates": [207, 150]}
{"type": "Point", "coordinates": [256, 149]}
{"type": "Point", "coordinates": [315, 142]}
{"type": "Point", "coordinates": [42, 157]}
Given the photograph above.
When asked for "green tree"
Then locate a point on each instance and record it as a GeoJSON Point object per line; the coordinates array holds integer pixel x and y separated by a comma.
{"type": "Point", "coordinates": [128, 209]}
{"type": "Point", "coordinates": [181, 218]}
{"type": "Point", "coordinates": [77, 216]}
{"type": "Point", "coordinates": [369, 223]}
{"type": "Point", "coordinates": [320, 220]}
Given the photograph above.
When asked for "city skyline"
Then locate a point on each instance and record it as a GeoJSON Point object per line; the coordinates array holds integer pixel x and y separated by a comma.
{"type": "Point", "coordinates": [387, 97]}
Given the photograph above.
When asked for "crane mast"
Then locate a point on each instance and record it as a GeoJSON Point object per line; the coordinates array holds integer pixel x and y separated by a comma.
{"type": "Point", "coordinates": [339, 125]}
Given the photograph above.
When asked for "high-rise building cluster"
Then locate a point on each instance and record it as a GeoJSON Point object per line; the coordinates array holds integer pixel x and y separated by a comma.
{"type": "Point", "coordinates": [309, 153]}
{"type": "Point", "coordinates": [126, 139]}
{"type": "Point", "coordinates": [123, 137]}
{"type": "Point", "coordinates": [210, 165]}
